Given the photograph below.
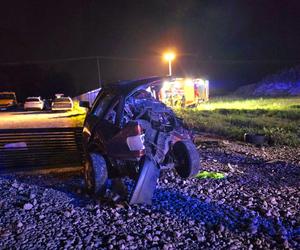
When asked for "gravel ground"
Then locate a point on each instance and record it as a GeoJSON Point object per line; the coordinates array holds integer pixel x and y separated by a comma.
{"type": "Point", "coordinates": [256, 206]}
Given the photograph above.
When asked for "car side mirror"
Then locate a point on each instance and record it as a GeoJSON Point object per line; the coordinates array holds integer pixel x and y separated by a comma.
{"type": "Point", "coordinates": [84, 104]}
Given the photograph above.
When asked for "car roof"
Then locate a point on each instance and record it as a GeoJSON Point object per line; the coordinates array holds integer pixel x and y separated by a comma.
{"type": "Point", "coordinates": [126, 87]}
{"type": "Point", "coordinates": [63, 98]}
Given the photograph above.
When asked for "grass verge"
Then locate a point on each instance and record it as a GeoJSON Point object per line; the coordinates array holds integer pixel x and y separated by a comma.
{"type": "Point", "coordinates": [77, 115]}
{"type": "Point", "coordinates": [278, 118]}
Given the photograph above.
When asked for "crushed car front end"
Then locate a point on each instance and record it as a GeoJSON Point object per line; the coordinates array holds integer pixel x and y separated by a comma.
{"type": "Point", "coordinates": [137, 135]}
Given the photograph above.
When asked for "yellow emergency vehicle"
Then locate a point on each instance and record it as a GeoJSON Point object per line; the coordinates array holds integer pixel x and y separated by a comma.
{"type": "Point", "coordinates": [185, 92]}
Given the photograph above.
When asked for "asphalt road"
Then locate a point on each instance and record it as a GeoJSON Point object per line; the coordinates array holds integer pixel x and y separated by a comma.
{"type": "Point", "coordinates": [39, 119]}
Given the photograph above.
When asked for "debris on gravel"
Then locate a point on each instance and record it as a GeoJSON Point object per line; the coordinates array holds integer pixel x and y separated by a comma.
{"type": "Point", "coordinates": [256, 206]}
{"type": "Point", "coordinates": [28, 206]}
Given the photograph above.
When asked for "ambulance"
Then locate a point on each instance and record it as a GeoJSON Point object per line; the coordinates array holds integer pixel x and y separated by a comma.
{"type": "Point", "coordinates": [184, 92]}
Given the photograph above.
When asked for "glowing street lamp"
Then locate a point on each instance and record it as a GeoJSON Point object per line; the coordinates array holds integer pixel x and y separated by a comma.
{"type": "Point", "coordinates": [169, 56]}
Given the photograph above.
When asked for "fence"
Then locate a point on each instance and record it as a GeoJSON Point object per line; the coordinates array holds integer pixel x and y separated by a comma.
{"type": "Point", "coordinates": [30, 149]}
{"type": "Point", "coordinates": [88, 96]}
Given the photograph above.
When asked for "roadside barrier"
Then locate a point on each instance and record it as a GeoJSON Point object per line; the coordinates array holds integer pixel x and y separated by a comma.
{"type": "Point", "coordinates": [35, 149]}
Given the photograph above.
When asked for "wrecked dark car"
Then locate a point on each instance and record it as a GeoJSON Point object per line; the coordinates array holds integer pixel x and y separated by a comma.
{"type": "Point", "coordinates": [129, 132]}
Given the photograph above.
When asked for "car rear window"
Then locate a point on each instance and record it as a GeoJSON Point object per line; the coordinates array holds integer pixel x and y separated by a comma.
{"type": "Point", "coordinates": [102, 104]}
{"type": "Point", "coordinates": [62, 99]}
{"type": "Point", "coordinates": [7, 96]}
{"type": "Point", "coordinates": [32, 99]}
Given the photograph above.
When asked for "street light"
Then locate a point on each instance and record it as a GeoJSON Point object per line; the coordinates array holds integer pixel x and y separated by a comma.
{"type": "Point", "coordinates": [169, 56]}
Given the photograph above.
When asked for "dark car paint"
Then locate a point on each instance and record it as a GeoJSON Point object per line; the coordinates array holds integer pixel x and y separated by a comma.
{"type": "Point", "coordinates": [125, 88]}
{"type": "Point", "coordinates": [117, 147]}
{"type": "Point", "coordinates": [108, 138]}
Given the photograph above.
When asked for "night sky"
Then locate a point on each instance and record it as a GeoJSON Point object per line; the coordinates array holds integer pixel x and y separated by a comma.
{"type": "Point", "coordinates": [231, 42]}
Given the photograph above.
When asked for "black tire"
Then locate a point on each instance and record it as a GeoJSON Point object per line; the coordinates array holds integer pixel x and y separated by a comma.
{"type": "Point", "coordinates": [95, 174]}
{"type": "Point", "coordinates": [187, 161]}
{"type": "Point", "coordinates": [256, 139]}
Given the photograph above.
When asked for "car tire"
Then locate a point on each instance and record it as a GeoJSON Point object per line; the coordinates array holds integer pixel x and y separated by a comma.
{"type": "Point", "coordinates": [95, 174]}
{"type": "Point", "coordinates": [187, 161]}
{"type": "Point", "coordinates": [256, 139]}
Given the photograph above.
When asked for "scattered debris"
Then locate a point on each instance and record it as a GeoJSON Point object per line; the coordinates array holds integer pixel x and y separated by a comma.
{"type": "Point", "coordinates": [212, 175]}
{"type": "Point", "coordinates": [27, 206]}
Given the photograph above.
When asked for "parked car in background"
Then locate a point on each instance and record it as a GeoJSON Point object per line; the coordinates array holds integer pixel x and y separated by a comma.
{"type": "Point", "coordinates": [34, 103]}
{"type": "Point", "coordinates": [8, 100]}
{"type": "Point", "coordinates": [62, 104]}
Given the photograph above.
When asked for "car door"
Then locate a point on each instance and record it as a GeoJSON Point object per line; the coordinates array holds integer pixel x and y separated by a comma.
{"type": "Point", "coordinates": [101, 123]}
{"type": "Point", "coordinates": [94, 115]}
{"type": "Point", "coordinates": [124, 139]}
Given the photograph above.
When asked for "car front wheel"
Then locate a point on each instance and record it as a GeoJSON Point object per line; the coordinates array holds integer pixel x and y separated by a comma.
{"type": "Point", "coordinates": [95, 174]}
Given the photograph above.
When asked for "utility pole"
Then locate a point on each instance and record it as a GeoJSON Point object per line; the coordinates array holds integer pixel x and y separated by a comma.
{"type": "Point", "coordinates": [169, 57]}
{"type": "Point", "coordinates": [170, 67]}
{"type": "Point", "coordinates": [98, 69]}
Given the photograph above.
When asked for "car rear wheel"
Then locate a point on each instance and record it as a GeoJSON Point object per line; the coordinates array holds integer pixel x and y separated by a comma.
{"type": "Point", "coordinates": [187, 161]}
{"type": "Point", "coordinates": [95, 174]}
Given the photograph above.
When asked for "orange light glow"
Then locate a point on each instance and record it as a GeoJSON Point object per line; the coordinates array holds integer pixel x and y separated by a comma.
{"type": "Point", "coordinates": [169, 56]}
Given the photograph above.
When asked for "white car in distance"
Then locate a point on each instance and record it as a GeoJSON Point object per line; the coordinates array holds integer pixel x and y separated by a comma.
{"type": "Point", "coordinates": [34, 103]}
{"type": "Point", "coordinates": [62, 104]}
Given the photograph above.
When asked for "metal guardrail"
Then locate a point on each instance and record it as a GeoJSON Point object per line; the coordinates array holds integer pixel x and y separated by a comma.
{"type": "Point", "coordinates": [31, 149]}
{"type": "Point", "coordinates": [88, 96]}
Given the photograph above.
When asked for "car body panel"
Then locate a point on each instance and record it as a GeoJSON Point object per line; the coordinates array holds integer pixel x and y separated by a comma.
{"type": "Point", "coordinates": [94, 123]}
{"type": "Point", "coordinates": [117, 146]}
{"type": "Point", "coordinates": [7, 100]}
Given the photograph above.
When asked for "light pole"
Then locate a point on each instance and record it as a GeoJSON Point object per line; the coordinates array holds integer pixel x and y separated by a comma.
{"type": "Point", "coordinates": [169, 56]}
